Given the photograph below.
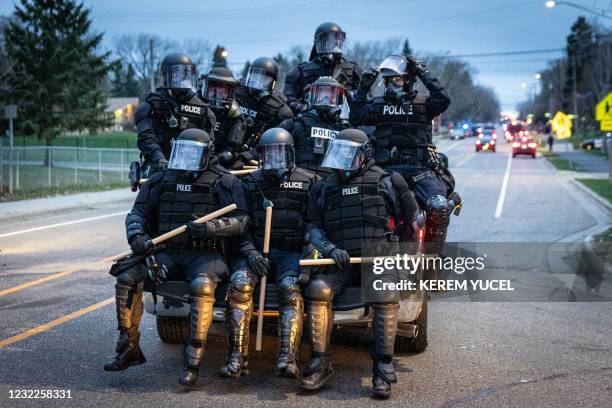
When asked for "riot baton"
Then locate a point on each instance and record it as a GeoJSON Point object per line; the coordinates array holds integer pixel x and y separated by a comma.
{"type": "Point", "coordinates": [264, 279]}
{"type": "Point", "coordinates": [180, 230]}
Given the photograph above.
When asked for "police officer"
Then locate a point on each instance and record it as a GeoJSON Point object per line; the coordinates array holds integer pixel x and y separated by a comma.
{"type": "Point", "coordinates": [194, 184]}
{"type": "Point", "coordinates": [259, 102]}
{"type": "Point", "coordinates": [325, 60]}
{"type": "Point", "coordinates": [218, 91]}
{"type": "Point", "coordinates": [170, 109]}
{"type": "Point", "coordinates": [286, 187]}
{"type": "Point", "coordinates": [350, 210]}
{"type": "Point", "coordinates": [314, 128]}
{"type": "Point", "coordinates": [403, 136]}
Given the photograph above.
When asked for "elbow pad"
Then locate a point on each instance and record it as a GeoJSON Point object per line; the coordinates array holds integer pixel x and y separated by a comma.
{"type": "Point", "coordinates": [227, 227]}
{"type": "Point", "coordinates": [134, 225]}
{"type": "Point", "coordinates": [317, 238]}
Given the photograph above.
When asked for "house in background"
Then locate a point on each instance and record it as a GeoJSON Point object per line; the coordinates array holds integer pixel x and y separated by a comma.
{"type": "Point", "coordinates": [120, 112]}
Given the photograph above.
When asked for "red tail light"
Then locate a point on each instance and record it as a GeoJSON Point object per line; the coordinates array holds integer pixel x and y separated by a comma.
{"type": "Point", "coordinates": [421, 235]}
{"type": "Point", "coordinates": [392, 223]}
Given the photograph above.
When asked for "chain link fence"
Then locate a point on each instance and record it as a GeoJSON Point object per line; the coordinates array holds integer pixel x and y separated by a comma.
{"type": "Point", "coordinates": [42, 167]}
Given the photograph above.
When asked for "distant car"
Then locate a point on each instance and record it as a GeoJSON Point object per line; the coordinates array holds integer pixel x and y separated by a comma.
{"type": "Point", "coordinates": [485, 143]}
{"type": "Point", "coordinates": [458, 133]}
{"type": "Point", "coordinates": [490, 130]}
{"type": "Point", "coordinates": [590, 144]}
{"type": "Point", "coordinates": [524, 145]}
{"type": "Point", "coordinates": [516, 129]}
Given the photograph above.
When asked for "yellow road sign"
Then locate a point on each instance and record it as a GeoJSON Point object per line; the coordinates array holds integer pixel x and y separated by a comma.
{"type": "Point", "coordinates": [562, 125]}
{"type": "Point", "coordinates": [603, 111]}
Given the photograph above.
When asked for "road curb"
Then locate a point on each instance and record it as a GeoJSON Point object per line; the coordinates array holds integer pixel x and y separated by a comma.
{"type": "Point", "coordinates": [590, 193]}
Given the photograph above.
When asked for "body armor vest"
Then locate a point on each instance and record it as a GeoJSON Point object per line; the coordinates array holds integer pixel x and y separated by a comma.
{"type": "Point", "coordinates": [354, 214]}
{"type": "Point", "coordinates": [342, 72]}
{"type": "Point", "coordinates": [170, 117]}
{"type": "Point", "coordinates": [403, 127]}
{"type": "Point", "coordinates": [309, 150]}
{"type": "Point", "coordinates": [182, 197]}
{"type": "Point", "coordinates": [289, 197]}
{"type": "Point", "coordinates": [263, 112]}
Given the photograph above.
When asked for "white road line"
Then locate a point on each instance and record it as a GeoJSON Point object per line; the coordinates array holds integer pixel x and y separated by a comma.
{"type": "Point", "coordinates": [502, 193]}
{"type": "Point", "coordinates": [62, 224]}
{"type": "Point", "coordinates": [465, 160]}
{"type": "Point", "coordinates": [451, 147]}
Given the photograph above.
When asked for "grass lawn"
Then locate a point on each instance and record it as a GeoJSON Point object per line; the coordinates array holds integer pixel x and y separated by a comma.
{"type": "Point", "coordinates": [122, 140]}
{"type": "Point", "coordinates": [34, 182]}
{"type": "Point", "coordinates": [605, 236]}
{"type": "Point", "coordinates": [560, 163]}
{"type": "Point", "coordinates": [602, 187]}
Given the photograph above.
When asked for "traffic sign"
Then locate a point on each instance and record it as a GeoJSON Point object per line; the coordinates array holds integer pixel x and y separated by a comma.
{"type": "Point", "coordinates": [603, 113]}
{"type": "Point", "coordinates": [562, 125]}
{"type": "Point", "coordinates": [10, 112]}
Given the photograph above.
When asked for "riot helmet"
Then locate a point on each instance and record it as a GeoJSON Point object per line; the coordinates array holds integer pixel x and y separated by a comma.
{"type": "Point", "coordinates": [262, 76]}
{"type": "Point", "coordinates": [328, 42]}
{"type": "Point", "coordinates": [326, 95]}
{"type": "Point", "coordinates": [348, 153]}
{"type": "Point", "coordinates": [277, 152]}
{"type": "Point", "coordinates": [178, 74]}
{"type": "Point", "coordinates": [218, 87]}
{"type": "Point", "coordinates": [191, 151]}
{"type": "Point", "coordinates": [399, 80]}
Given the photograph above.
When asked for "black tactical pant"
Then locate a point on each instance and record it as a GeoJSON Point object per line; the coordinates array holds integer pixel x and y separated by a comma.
{"type": "Point", "coordinates": [423, 181]}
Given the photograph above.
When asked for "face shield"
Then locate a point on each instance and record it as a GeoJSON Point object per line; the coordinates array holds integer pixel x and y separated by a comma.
{"type": "Point", "coordinates": [344, 155]}
{"type": "Point", "coordinates": [326, 95]}
{"type": "Point", "coordinates": [181, 77]}
{"type": "Point", "coordinates": [275, 157]}
{"type": "Point", "coordinates": [259, 79]}
{"type": "Point", "coordinates": [330, 43]}
{"type": "Point", "coordinates": [187, 155]}
{"type": "Point", "coordinates": [393, 65]}
{"type": "Point", "coordinates": [217, 93]}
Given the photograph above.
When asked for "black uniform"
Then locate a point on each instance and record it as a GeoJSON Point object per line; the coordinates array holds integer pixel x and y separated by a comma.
{"type": "Point", "coordinates": [345, 72]}
{"type": "Point", "coordinates": [230, 137]}
{"type": "Point", "coordinates": [168, 200]}
{"type": "Point", "coordinates": [262, 113]}
{"type": "Point", "coordinates": [160, 118]}
{"type": "Point", "coordinates": [350, 215]}
{"type": "Point", "coordinates": [289, 196]}
{"type": "Point", "coordinates": [310, 149]}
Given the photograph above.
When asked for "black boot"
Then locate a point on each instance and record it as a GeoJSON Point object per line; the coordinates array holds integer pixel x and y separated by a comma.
{"type": "Point", "coordinates": [129, 310]}
{"type": "Point", "coordinates": [192, 358]}
{"type": "Point", "coordinates": [384, 326]}
{"type": "Point", "coordinates": [290, 333]}
{"type": "Point", "coordinates": [319, 325]}
{"type": "Point", "coordinates": [317, 372]}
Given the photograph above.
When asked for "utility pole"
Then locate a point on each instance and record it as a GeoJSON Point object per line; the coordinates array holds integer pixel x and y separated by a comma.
{"type": "Point", "coordinates": [10, 114]}
{"type": "Point", "coordinates": [151, 67]}
{"type": "Point", "coordinates": [574, 93]}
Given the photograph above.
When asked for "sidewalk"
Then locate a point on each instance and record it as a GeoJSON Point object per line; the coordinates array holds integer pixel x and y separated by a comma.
{"type": "Point", "coordinates": [588, 162]}
{"type": "Point", "coordinates": [25, 208]}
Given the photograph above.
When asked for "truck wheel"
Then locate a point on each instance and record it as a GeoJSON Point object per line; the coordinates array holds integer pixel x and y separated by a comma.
{"type": "Point", "coordinates": [419, 343]}
{"type": "Point", "coordinates": [173, 329]}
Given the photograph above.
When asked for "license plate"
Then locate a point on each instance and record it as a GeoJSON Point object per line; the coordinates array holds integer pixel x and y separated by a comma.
{"type": "Point", "coordinates": [322, 133]}
{"type": "Point", "coordinates": [523, 146]}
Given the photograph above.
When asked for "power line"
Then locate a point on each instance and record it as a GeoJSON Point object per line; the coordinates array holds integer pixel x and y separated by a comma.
{"type": "Point", "coordinates": [499, 54]}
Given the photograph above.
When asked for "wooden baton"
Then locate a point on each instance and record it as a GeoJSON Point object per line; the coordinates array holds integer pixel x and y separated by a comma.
{"type": "Point", "coordinates": [264, 279]}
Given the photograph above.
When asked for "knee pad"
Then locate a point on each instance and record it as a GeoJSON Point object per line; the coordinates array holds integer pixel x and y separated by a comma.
{"type": "Point", "coordinates": [438, 210]}
{"type": "Point", "coordinates": [203, 287]}
{"type": "Point", "coordinates": [318, 290]}
{"type": "Point", "coordinates": [289, 290]}
{"type": "Point", "coordinates": [241, 287]}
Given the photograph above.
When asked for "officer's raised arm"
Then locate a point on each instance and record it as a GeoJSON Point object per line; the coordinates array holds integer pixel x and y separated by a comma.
{"type": "Point", "coordinates": [438, 100]}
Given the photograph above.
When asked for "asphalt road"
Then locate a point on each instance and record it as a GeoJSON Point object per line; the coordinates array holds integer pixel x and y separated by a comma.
{"type": "Point", "coordinates": [479, 354]}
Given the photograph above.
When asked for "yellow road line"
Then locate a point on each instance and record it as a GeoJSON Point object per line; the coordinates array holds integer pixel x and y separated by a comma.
{"type": "Point", "coordinates": [47, 278]}
{"type": "Point", "coordinates": [44, 327]}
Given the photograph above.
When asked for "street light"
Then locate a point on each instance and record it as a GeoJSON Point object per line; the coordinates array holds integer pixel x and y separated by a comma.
{"type": "Point", "coordinates": [598, 12]}
{"type": "Point", "coordinates": [537, 76]}
{"type": "Point", "coordinates": [523, 85]}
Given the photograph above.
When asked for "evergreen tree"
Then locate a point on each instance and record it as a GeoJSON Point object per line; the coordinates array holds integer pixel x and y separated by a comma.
{"type": "Point", "coordinates": [406, 50]}
{"type": "Point", "coordinates": [219, 57]}
{"type": "Point", "coordinates": [58, 75]}
{"type": "Point", "coordinates": [580, 52]}
{"type": "Point", "coordinates": [124, 82]}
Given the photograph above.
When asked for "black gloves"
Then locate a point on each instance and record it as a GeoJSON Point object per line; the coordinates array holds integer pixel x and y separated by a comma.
{"type": "Point", "coordinates": [200, 231]}
{"type": "Point", "coordinates": [258, 263]}
{"type": "Point", "coordinates": [367, 79]}
{"type": "Point", "coordinates": [141, 245]}
{"type": "Point", "coordinates": [340, 257]}
{"type": "Point", "coordinates": [161, 164]}
{"type": "Point", "coordinates": [416, 66]}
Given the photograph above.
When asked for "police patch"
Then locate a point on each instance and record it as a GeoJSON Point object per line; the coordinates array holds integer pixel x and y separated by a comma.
{"type": "Point", "coordinates": [350, 190]}
{"type": "Point", "coordinates": [292, 184]}
{"type": "Point", "coordinates": [191, 109]}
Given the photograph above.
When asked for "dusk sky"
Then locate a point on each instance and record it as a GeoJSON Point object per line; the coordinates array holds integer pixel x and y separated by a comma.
{"type": "Point", "coordinates": [250, 29]}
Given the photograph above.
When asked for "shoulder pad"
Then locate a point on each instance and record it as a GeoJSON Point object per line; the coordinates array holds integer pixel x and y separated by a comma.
{"type": "Point", "coordinates": [234, 111]}
{"type": "Point", "coordinates": [287, 124]}
{"type": "Point", "coordinates": [420, 98]}
{"type": "Point", "coordinates": [154, 96]}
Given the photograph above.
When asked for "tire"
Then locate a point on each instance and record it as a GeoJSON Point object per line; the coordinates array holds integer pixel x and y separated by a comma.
{"type": "Point", "coordinates": [173, 329]}
{"type": "Point", "coordinates": [533, 155]}
{"type": "Point", "coordinates": [513, 155]}
{"type": "Point", "coordinates": [419, 343]}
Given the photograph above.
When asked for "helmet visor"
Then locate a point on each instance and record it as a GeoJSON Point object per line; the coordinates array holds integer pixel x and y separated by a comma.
{"type": "Point", "coordinates": [274, 156]}
{"type": "Point", "coordinates": [393, 65]}
{"type": "Point", "coordinates": [181, 76]}
{"type": "Point", "coordinates": [326, 95]}
{"type": "Point", "coordinates": [343, 155]}
{"type": "Point", "coordinates": [259, 79]}
{"type": "Point", "coordinates": [186, 155]}
{"type": "Point", "coordinates": [330, 43]}
{"type": "Point", "coordinates": [217, 92]}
